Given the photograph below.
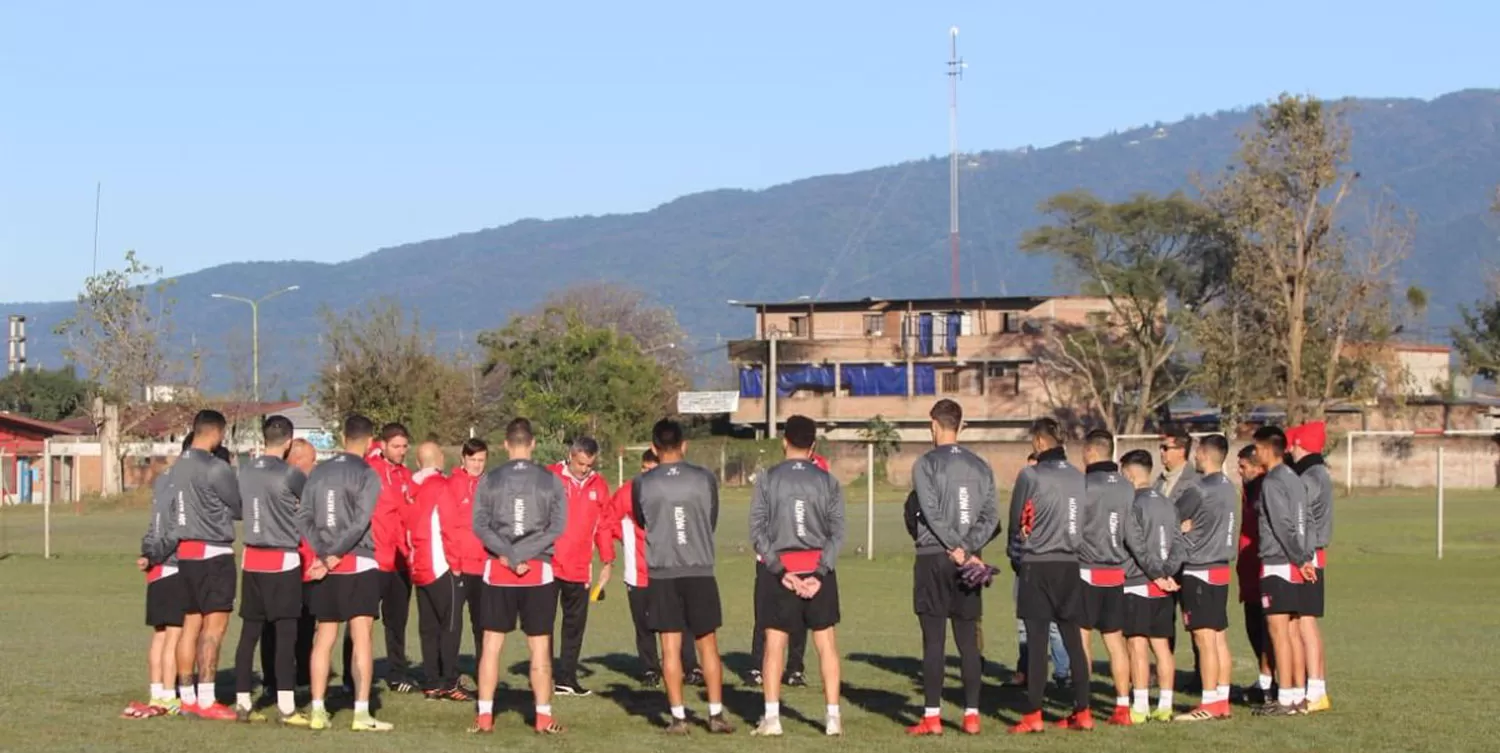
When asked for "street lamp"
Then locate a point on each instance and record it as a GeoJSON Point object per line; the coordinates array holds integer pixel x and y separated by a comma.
{"type": "Point", "coordinates": [254, 304]}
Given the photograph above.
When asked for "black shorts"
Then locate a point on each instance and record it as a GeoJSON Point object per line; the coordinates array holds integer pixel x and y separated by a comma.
{"type": "Point", "coordinates": [340, 597]}
{"type": "Point", "coordinates": [268, 597]}
{"type": "Point", "coordinates": [1149, 617]}
{"type": "Point", "coordinates": [209, 584]}
{"type": "Point", "coordinates": [1280, 596]}
{"type": "Point", "coordinates": [533, 607]}
{"type": "Point", "coordinates": [782, 609]}
{"type": "Point", "coordinates": [1204, 605]}
{"type": "Point", "coordinates": [166, 601]}
{"type": "Point", "coordinates": [1103, 608]}
{"type": "Point", "coordinates": [937, 592]}
{"type": "Point", "coordinates": [684, 605]}
{"type": "Point", "coordinates": [1050, 591]}
{"type": "Point", "coordinates": [1311, 599]}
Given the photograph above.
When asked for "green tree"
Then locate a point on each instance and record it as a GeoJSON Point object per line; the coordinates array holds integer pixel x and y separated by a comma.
{"type": "Point", "coordinates": [1158, 261]}
{"type": "Point", "coordinates": [47, 394]}
{"type": "Point", "coordinates": [378, 363]}
{"type": "Point", "coordinates": [571, 378]}
{"type": "Point", "coordinates": [1322, 298]}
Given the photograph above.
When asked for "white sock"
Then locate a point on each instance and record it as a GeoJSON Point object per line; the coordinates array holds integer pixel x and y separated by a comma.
{"type": "Point", "coordinates": [544, 709]}
{"type": "Point", "coordinates": [1209, 696]}
{"type": "Point", "coordinates": [188, 694]}
{"type": "Point", "coordinates": [971, 712]}
{"type": "Point", "coordinates": [286, 702]}
{"type": "Point", "coordinates": [242, 700]}
{"type": "Point", "coordinates": [361, 707]}
{"type": "Point", "coordinates": [1222, 694]}
{"type": "Point", "coordinates": [679, 712]}
{"type": "Point", "coordinates": [833, 711]}
{"type": "Point", "coordinates": [1142, 700]}
{"type": "Point", "coordinates": [486, 707]}
{"type": "Point", "coordinates": [317, 705]}
{"type": "Point", "coordinates": [715, 709]}
{"type": "Point", "coordinates": [158, 692]}
{"type": "Point", "coordinates": [1122, 700]}
{"type": "Point", "coordinates": [1264, 682]}
{"type": "Point", "coordinates": [1284, 696]}
{"type": "Point", "coordinates": [930, 712]}
{"type": "Point", "coordinates": [206, 694]}
{"type": "Point", "coordinates": [1299, 695]}
{"type": "Point", "coordinates": [1164, 701]}
{"type": "Point", "coordinates": [1316, 689]}
{"type": "Point", "coordinates": [773, 709]}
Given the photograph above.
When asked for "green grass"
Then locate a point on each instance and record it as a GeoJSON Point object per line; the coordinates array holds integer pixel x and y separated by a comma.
{"type": "Point", "coordinates": [1413, 652]}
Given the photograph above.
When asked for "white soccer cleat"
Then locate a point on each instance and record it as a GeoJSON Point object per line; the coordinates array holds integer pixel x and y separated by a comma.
{"type": "Point", "coordinates": [833, 727]}
{"type": "Point", "coordinates": [768, 727]}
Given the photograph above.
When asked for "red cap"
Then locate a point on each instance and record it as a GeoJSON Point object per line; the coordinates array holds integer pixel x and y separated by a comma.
{"type": "Point", "coordinates": [1311, 436]}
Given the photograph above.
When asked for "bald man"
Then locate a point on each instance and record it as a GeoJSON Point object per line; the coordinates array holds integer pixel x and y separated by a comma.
{"type": "Point", "coordinates": [433, 570]}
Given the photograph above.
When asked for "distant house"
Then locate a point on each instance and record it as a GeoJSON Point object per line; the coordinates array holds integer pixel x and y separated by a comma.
{"type": "Point", "coordinates": [23, 441]}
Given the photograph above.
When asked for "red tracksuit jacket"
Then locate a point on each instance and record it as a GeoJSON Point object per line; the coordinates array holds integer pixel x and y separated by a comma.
{"type": "Point", "coordinates": [573, 554]}
{"type": "Point", "coordinates": [425, 532]}
{"type": "Point", "coordinates": [388, 525]}
{"type": "Point", "coordinates": [619, 519]}
{"type": "Point", "coordinates": [456, 510]}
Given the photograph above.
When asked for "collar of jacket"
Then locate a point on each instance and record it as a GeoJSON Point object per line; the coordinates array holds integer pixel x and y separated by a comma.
{"type": "Point", "coordinates": [1308, 461]}
{"type": "Point", "coordinates": [1105, 466]}
{"type": "Point", "coordinates": [1056, 453]}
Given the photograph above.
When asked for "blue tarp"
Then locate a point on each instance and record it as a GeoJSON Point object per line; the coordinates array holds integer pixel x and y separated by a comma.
{"type": "Point", "coordinates": [860, 379]}
{"type": "Point", "coordinates": [871, 379]}
{"type": "Point", "coordinates": [751, 384]}
{"type": "Point", "coordinates": [924, 334]}
{"type": "Point", "coordinates": [955, 325]}
{"type": "Point", "coordinates": [926, 379]}
{"type": "Point", "coordinates": [788, 380]}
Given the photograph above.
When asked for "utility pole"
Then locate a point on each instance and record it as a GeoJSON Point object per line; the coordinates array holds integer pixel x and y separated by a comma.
{"type": "Point", "coordinates": [254, 304]}
{"type": "Point", "coordinates": [771, 387]}
{"type": "Point", "coordinates": [955, 72]}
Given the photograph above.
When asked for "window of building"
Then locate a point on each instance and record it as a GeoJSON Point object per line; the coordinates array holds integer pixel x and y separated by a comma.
{"type": "Point", "coordinates": [874, 325]}
{"type": "Point", "coordinates": [1010, 322]}
{"type": "Point", "coordinates": [950, 383]}
{"type": "Point", "coordinates": [798, 325]}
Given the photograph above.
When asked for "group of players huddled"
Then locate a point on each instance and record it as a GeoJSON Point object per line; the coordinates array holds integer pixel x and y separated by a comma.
{"type": "Point", "coordinates": [345, 541]}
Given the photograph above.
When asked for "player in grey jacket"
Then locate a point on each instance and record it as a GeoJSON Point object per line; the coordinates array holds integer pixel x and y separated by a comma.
{"type": "Point", "coordinates": [1101, 561]}
{"type": "Point", "coordinates": [1210, 538]}
{"type": "Point", "coordinates": [338, 501]}
{"type": "Point", "coordinates": [1286, 564]}
{"type": "Point", "coordinates": [520, 508]}
{"type": "Point", "coordinates": [1154, 540]}
{"type": "Point", "coordinates": [1306, 443]}
{"type": "Point", "coordinates": [797, 529]}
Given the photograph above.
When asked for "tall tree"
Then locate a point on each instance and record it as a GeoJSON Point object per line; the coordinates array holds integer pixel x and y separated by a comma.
{"type": "Point", "coordinates": [571, 377]}
{"type": "Point", "coordinates": [1158, 261]}
{"type": "Point", "coordinates": [378, 363]}
{"type": "Point", "coordinates": [45, 394]}
{"type": "Point", "coordinates": [1478, 340]}
{"type": "Point", "coordinates": [1326, 296]}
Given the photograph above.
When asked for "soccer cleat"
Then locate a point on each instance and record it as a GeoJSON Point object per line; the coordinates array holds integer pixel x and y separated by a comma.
{"type": "Point", "coordinates": [677, 727]}
{"type": "Point", "coordinates": [546, 725]}
{"type": "Point", "coordinates": [1017, 680]}
{"type": "Point", "coordinates": [930, 725]}
{"type": "Point", "coordinates": [1276, 709]}
{"type": "Point", "coordinates": [651, 680]}
{"type": "Point", "coordinates": [1200, 714]}
{"type": "Point", "coordinates": [796, 680]}
{"type": "Point", "coordinates": [218, 712]}
{"type": "Point", "coordinates": [755, 677]}
{"type": "Point", "coordinates": [1322, 704]}
{"type": "Point", "coordinates": [1081, 720]}
{"type": "Point", "coordinates": [833, 727]}
{"type": "Point", "coordinates": [1301, 707]}
{"type": "Point", "coordinates": [294, 719]}
{"type": "Point", "coordinates": [1220, 710]}
{"type": "Point", "coordinates": [483, 724]}
{"type": "Point", "coordinates": [573, 688]}
{"type": "Point", "coordinates": [1139, 717]}
{"type": "Point", "coordinates": [696, 679]}
{"type": "Point", "coordinates": [718, 725]}
{"type": "Point", "coordinates": [366, 723]}
{"type": "Point", "coordinates": [1254, 695]}
{"type": "Point", "coordinates": [1161, 715]}
{"type": "Point", "coordinates": [1122, 717]}
{"type": "Point", "coordinates": [1030, 723]}
{"type": "Point", "coordinates": [768, 727]}
{"type": "Point", "coordinates": [169, 706]}
{"type": "Point", "coordinates": [319, 719]}
{"type": "Point", "coordinates": [244, 715]}
{"type": "Point", "coordinates": [971, 724]}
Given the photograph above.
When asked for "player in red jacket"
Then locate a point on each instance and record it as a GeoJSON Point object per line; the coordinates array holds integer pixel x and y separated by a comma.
{"type": "Point", "coordinates": [622, 528]}
{"type": "Point", "coordinates": [388, 528]}
{"type": "Point", "coordinates": [573, 560]}
{"type": "Point", "coordinates": [458, 530]}
{"type": "Point", "coordinates": [1247, 567]}
{"type": "Point", "coordinates": [432, 572]}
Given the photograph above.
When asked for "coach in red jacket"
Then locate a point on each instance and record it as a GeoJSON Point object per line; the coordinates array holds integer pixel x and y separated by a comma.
{"type": "Point", "coordinates": [392, 555]}
{"type": "Point", "coordinates": [573, 559]}
{"type": "Point", "coordinates": [463, 546]}
{"type": "Point", "coordinates": [432, 572]}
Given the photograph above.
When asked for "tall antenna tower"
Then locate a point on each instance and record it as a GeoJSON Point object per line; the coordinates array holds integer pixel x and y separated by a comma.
{"type": "Point", "coordinates": [955, 72]}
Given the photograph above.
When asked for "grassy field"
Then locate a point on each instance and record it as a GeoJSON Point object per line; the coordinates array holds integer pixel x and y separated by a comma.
{"type": "Point", "coordinates": [1414, 654]}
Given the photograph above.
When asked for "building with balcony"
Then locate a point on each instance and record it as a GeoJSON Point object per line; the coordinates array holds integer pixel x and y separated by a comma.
{"type": "Point", "coordinates": [843, 363]}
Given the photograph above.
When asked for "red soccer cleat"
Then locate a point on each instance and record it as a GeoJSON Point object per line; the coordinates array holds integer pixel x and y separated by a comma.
{"type": "Point", "coordinates": [1121, 717]}
{"type": "Point", "coordinates": [1082, 721]}
{"type": "Point", "coordinates": [930, 725]}
{"type": "Point", "coordinates": [218, 712]}
{"type": "Point", "coordinates": [1220, 710]}
{"type": "Point", "coordinates": [1029, 724]}
{"type": "Point", "coordinates": [971, 724]}
{"type": "Point", "coordinates": [483, 724]}
{"type": "Point", "coordinates": [546, 725]}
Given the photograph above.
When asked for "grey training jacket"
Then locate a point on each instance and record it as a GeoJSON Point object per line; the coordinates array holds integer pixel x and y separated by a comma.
{"type": "Point", "coordinates": [957, 505]}
{"type": "Point", "coordinates": [1109, 496]}
{"type": "Point", "coordinates": [797, 506]}
{"type": "Point", "coordinates": [1053, 491]}
{"type": "Point", "coordinates": [520, 508]}
{"type": "Point", "coordinates": [1282, 510]}
{"type": "Point", "coordinates": [1212, 505]}
{"type": "Point", "coordinates": [158, 546]}
{"type": "Point", "coordinates": [678, 505]}
{"type": "Point", "coordinates": [1319, 484]}
{"type": "Point", "coordinates": [1153, 538]}
{"type": "Point", "coordinates": [338, 501]}
{"type": "Point", "coordinates": [272, 494]}
{"type": "Point", "coordinates": [207, 496]}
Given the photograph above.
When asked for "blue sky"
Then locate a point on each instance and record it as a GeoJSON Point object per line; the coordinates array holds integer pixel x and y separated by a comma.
{"type": "Point", "coordinates": [324, 130]}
